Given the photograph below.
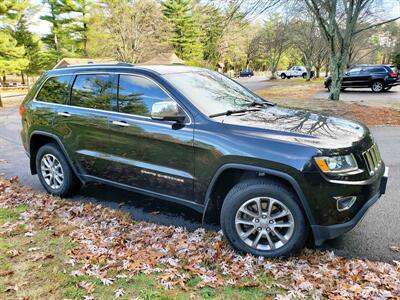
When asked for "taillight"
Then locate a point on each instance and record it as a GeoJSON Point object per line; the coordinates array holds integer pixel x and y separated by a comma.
{"type": "Point", "coordinates": [21, 110]}
{"type": "Point", "coordinates": [394, 74]}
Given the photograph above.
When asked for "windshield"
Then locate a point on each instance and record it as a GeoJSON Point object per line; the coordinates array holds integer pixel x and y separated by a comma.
{"type": "Point", "coordinates": [212, 92]}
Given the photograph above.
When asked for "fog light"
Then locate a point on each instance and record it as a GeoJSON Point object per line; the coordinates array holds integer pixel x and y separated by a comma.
{"type": "Point", "coordinates": [344, 203]}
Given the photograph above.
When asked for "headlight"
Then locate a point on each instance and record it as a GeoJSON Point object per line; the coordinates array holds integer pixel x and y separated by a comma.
{"type": "Point", "coordinates": [337, 164]}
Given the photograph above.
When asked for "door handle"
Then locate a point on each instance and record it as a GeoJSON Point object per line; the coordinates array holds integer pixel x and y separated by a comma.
{"type": "Point", "coordinates": [120, 123]}
{"type": "Point", "coordinates": [64, 114]}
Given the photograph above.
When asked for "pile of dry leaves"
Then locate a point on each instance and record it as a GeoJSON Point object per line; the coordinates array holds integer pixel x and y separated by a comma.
{"type": "Point", "coordinates": [111, 243]}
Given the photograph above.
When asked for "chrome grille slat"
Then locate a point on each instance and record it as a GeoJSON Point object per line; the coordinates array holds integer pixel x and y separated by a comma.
{"type": "Point", "coordinates": [372, 159]}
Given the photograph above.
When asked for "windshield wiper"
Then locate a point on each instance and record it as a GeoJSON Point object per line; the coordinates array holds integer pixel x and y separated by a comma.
{"type": "Point", "coordinates": [231, 112]}
{"type": "Point", "coordinates": [260, 103]}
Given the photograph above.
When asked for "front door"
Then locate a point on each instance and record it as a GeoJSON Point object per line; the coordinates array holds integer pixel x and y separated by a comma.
{"type": "Point", "coordinates": [152, 155]}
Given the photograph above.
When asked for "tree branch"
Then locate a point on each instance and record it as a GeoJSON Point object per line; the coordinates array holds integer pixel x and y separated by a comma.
{"type": "Point", "coordinates": [376, 25]}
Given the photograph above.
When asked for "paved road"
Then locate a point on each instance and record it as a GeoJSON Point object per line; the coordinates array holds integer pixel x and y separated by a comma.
{"type": "Point", "coordinates": [256, 83]}
{"type": "Point", "coordinates": [370, 239]}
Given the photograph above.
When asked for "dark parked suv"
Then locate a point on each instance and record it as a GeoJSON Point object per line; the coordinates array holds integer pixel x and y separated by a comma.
{"type": "Point", "coordinates": [271, 176]}
{"type": "Point", "coordinates": [379, 78]}
{"type": "Point", "coordinates": [246, 73]}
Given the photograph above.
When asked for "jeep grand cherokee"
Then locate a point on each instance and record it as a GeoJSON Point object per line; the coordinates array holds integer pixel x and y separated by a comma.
{"type": "Point", "coordinates": [271, 176]}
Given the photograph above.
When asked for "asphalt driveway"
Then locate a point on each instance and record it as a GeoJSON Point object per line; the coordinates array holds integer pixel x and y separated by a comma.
{"type": "Point", "coordinates": [371, 239]}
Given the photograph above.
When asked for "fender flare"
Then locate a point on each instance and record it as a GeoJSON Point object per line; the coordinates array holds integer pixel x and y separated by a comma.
{"type": "Point", "coordinates": [295, 185]}
{"type": "Point", "coordinates": [59, 143]}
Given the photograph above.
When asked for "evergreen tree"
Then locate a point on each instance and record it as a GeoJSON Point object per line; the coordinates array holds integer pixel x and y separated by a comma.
{"type": "Point", "coordinates": [77, 24]}
{"type": "Point", "coordinates": [53, 40]}
{"type": "Point", "coordinates": [12, 59]}
{"type": "Point", "coordinates": [32, 46]}
{"type": "Point", "coordinates": [186, 35]}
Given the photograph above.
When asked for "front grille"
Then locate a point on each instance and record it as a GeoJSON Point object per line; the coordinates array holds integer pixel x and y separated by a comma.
{"type": "Point", "coordinates": [372, 159]}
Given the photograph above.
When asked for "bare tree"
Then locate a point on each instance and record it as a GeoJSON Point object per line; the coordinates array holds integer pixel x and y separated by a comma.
{"type": "Point", "coordinates": [307, 39]}
{"type": "Point", "coordinates": [340, 22]}
{"type": "Point", "coordinates": [275, 41]}
{"type": "Point", "coordinates": [130, 31]}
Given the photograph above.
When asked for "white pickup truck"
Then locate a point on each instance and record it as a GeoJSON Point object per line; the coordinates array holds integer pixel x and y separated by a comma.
{"type": "Point", "coordinates": [296, 71]}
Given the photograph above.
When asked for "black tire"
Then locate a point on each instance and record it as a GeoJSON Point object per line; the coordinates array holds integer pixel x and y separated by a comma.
{"type": "Point", "coordinates": [329, 86]}
{"type": "Point", "coordinates": [259, 187]}
{"type": "Point", "coordinates": [283, 75]}
{"type": "Point", "coordinates": [70, 184]}
{"type": "Point", "coordinates": [377, 86]}
{"type": "Point", "coordinates": [304, 75]}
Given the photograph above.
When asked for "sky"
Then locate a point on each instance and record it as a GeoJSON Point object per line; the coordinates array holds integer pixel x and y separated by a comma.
{"type": "Point", "coordinates": [390, 7]}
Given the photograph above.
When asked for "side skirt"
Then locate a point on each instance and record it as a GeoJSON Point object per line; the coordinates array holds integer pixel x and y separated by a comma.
{"type": "Point", "coordinates": [197, 207]}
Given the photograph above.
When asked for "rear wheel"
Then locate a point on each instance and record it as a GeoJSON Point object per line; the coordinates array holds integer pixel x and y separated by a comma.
{"type": "Point", "coordinates": [54, 171]}
{"type": "Point", "coordinates": [377, 86]}
{"type": "Point", "coordinates": [304, 75]}
{"type": "Point", "coordinates": [283, 76]}
{"type": "Point", "coordinates": [263, 218]}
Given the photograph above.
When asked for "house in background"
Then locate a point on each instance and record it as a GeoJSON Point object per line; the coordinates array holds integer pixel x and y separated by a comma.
{"type": "Point", "coordinates": [168, 58]}
{"type": "Point", "coordinates": [81, 61]}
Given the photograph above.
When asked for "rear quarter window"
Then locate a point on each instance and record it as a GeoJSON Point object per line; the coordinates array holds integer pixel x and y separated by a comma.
{"type": "Point", "coordinates": [55, 90]}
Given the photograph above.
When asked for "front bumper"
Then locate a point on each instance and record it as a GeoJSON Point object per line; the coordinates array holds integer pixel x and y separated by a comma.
{"type": "Point", "coordinates": [322, 233]}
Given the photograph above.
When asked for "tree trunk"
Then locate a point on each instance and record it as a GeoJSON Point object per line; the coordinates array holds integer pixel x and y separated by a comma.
{"type": "Point", "coordinates": [1, 103]}
{"type": "Point", "coordinates": [337, 69]}
{"type": "Point", "coordinates": [308, 68]}
{"type": "Point", "coordinates": [22, 78]}
{"type": "Point", "coordinates": [317, 71]}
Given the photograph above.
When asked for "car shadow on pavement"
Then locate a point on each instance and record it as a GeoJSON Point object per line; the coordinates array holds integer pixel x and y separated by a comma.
{"type": "Point", "coordinates": [142, 207]}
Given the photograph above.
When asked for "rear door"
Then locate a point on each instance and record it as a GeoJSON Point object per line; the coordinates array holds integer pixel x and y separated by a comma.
{"type": "Point", "coordinates": [83, 125]}
{"type": "Point", "coordinates": [152, 155]}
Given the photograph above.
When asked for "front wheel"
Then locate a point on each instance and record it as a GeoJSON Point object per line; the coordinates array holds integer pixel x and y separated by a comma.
{"type": "Point", "coordinates": [283, 76]}
{"type": "Point", "coordinates": [263, 218]}
{"type": "Point", "coordinates": [304, 75]}
{"type": "Point", "coordinates": [54, 171]}
{"type": "Point", "coordinates": [377, 86]}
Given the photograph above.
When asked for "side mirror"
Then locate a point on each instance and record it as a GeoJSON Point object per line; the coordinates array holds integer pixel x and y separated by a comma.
{"type": "Point", "coordinates": [167, 111]}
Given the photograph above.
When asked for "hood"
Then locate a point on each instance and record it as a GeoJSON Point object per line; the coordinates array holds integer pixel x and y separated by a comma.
{"type": "Point", "coordinates": [319, 130]}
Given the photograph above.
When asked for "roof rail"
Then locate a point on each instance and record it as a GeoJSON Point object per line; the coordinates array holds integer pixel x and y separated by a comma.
{"type": "Point", "coordinates": [96, 65]}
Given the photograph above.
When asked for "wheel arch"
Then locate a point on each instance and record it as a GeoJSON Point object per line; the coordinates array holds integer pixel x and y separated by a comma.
{"type": "Point", "coordinates": [213, 203]}
{"type": "Point", "coordinates": [38, 139]}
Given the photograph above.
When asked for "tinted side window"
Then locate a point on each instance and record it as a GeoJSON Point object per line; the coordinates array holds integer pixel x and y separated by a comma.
{"type": "Point", "coordinates": [136, 95]}
{"type": "Point", "coordinates": [92, 91]}
{"type": "Point", "coordinates": [55, 90]}
{"type": "Point", "coordinates": [354, 71]}
{"type": "Point", "coordinates": [377, 70]}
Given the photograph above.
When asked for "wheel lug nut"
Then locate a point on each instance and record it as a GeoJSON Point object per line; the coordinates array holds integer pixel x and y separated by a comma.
{"type": "Point", "coordinates": [264, 217]}
{"type": "Point", "coordinates": [268, 229]}
{"type": "Point", "coordinates": [259, 228]}
{"type": "Point", "coordinates": [257, 220]}
{"type": "Point", "coordinates": [271, 222]}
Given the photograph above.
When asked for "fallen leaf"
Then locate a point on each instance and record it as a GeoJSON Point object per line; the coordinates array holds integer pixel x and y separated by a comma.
{"type": "Point", "coordinates": [89, 287]}
{"type": "Point", "coordinates": [33, 249]}
{"type": "Point", "coordinates": [13, 253]}
{"type": "Point", "coordinates": [119, 293]}
{"type": "Point", "coordinates": [7, 273]}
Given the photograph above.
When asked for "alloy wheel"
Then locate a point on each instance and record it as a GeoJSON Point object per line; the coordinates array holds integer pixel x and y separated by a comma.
{"type": "Point", "coordinates": [52, 171]}
{"type": "Point", "coordinates": [377, 86]}
{"type": "Point", "coordinates": [264, 223]}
